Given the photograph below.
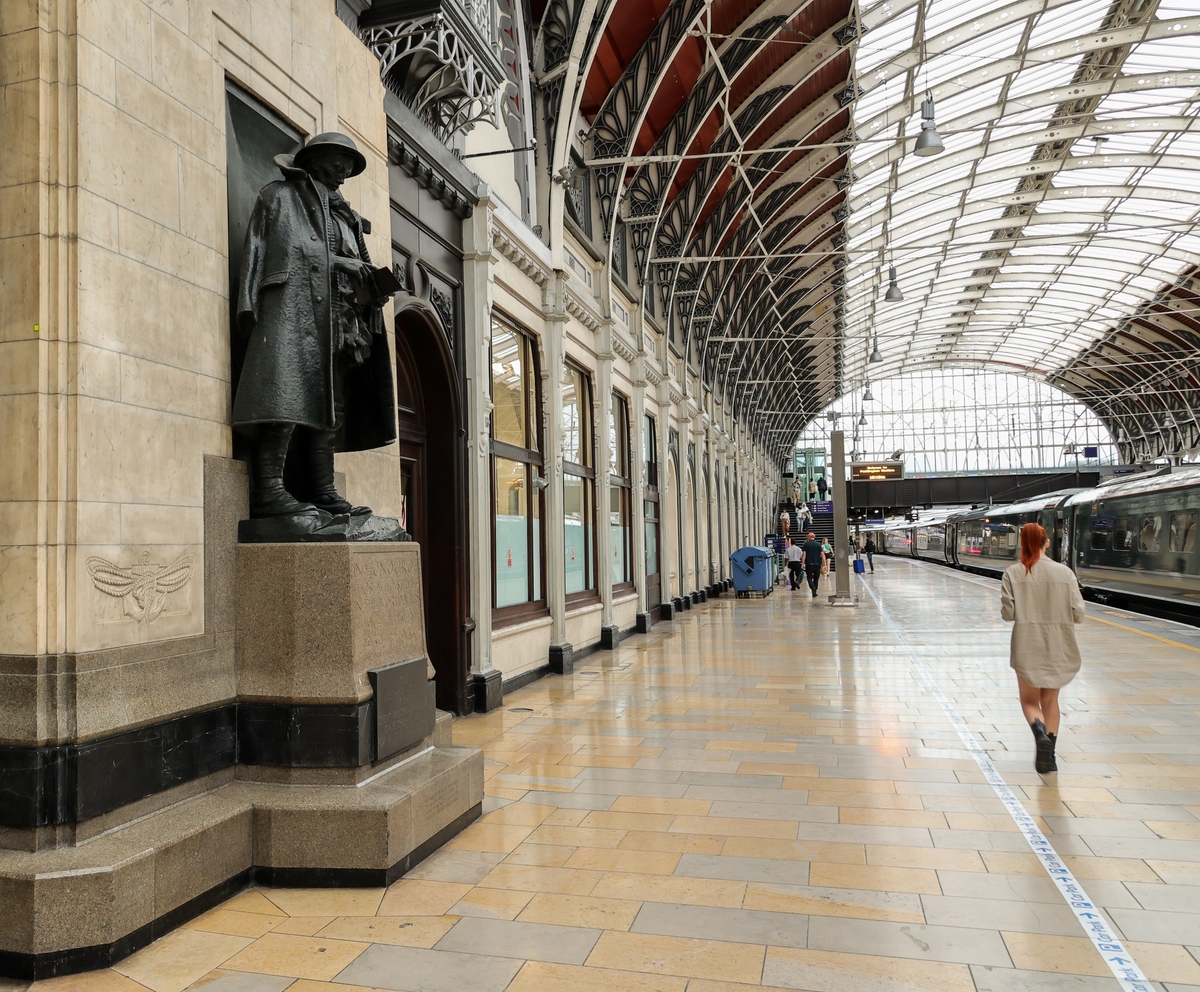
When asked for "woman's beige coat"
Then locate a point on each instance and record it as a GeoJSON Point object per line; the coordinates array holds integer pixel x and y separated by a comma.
{"type": "Point", "coordinates": [1045, 605]}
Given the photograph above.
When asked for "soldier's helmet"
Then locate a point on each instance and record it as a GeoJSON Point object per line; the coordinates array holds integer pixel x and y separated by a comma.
{"type": "Point", "coordinates": [331, 141]}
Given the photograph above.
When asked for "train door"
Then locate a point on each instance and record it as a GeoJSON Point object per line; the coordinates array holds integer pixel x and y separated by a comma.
{"type": "Point", "coordinates": [1060, 538]}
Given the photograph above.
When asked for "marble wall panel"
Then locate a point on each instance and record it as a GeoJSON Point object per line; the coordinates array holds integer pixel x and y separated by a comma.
{"type": "Point", "coordinates": [20, 366]}
{"type": "Point", "coordinates": [19, 414]}
{"type": "Point", "coordinates": [18, 584]}
{"type": "Point", "coordinates": [521, 648]}
{"type": "Point", "coordinates": [583, 626]}
{"type": "Point", "coordinates": [19, 209]}
{"type": "Point", "coordinates": [19, 257]}
{"type": "Point", "coordinates": [125, 161]}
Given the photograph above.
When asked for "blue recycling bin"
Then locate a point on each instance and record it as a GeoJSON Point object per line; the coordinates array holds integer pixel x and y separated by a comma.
{"type": "Point", "coordinates": [751, 569]}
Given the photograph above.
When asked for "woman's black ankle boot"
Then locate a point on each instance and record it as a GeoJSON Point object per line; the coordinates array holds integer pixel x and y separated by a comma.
{"type": "Point", "coordinates": [1045, 760]}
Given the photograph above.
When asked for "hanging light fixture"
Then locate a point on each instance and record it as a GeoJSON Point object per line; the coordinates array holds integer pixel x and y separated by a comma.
{"type": "Point", "coordinates": [862, 420]}
{"type": "Point", "coordinates": [893, 294]}
{"type": "Point", "coordinates": [1168, 422]}
{"type": "Point", "coordinates": [875, 358]}
{"type": "Point", "coordinates": [929, 142]}
{"type": "Point", "coordinates": [867, 397]}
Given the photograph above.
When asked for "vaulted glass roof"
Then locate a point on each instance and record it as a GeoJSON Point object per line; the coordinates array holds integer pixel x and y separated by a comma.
{"type": "Point", "coordinates": [1066, 197]}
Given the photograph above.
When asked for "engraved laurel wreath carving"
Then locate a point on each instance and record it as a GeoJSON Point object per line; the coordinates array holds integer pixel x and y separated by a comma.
{"type": "Point", "coordinates": [143, 587]}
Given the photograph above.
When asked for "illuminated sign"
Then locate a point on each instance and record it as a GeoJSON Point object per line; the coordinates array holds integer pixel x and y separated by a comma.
{"type": "Point", "coordinates": [876, 471]}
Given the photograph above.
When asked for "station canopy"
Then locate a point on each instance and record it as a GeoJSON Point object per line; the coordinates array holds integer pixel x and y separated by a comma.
{"type": "Point", "coordinates": [759, 158]}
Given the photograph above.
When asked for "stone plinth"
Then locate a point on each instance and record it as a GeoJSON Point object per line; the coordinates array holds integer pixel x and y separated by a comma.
{"type": "Point", "coordinates": [85, 907]}
{"type": "Point", "coordinates": [313, 619]}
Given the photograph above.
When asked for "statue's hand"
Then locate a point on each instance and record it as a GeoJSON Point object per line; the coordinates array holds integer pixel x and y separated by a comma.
{"type": "Point", "coordinates": [353, 267]}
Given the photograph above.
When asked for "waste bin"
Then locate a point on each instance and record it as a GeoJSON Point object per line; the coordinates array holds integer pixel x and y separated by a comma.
{"type": "Point", "coordinates": [752, 571]}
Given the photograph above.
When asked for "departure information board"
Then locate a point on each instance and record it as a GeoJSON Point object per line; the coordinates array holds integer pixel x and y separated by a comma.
{"type": "Point", "coordinates": [876, 471]}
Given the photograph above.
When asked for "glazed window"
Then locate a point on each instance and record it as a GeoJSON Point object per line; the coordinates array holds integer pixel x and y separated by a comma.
{"type": "Point", "coordinates": [1100, 532]}
{"type": "Point", "coordinates": [1148, 532]}
{"type": "Point", "coordinates": [1183, 533]}
{"type": "Point", "coordinates": [579, 483]}
{"type": "Point", "coordinates": [1123, 534]}
{"type": "Point", "coordinates": [620, 491]}
{"type": "Point", "coordinates": [650, 504]}
{"type": "Point", "coordinates": [517, 502]}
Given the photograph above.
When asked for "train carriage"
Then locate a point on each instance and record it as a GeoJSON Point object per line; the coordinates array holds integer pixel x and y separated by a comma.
{"type": "Point", "coordinates": [1138, 538]}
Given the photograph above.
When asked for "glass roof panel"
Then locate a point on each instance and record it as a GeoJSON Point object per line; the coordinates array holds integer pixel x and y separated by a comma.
{"type": "Point", "coordinates": [1026, 240]}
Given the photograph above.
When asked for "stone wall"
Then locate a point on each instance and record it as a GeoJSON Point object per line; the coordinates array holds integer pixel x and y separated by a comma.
{"type": "Point", "coordinates": [114, 334]}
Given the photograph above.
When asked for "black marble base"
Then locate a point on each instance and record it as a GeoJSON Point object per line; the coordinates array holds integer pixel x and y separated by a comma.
{"type": "Point", "coordinates": [489, 690]}
{"type": "Point", "coordinates": [685, 602]}
{"type": "Point", "coordinates": [644, 622]}
{"type": "Point", "coordinates": [700, 596]}
{"type": "Point", "coordinates": [610, 637]}
{"type": "Point", "coordinates": [562, 659]}
{"type": "Point", "coordinates": [306, 736]}
{"type": "Point", "coordinates": [318, 526]}
{"type": "Point", "coordinates": [51, 786]}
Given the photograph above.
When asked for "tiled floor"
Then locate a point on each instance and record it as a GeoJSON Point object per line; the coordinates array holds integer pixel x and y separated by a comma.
{"type": "Point", "coordinates": [764, 794]}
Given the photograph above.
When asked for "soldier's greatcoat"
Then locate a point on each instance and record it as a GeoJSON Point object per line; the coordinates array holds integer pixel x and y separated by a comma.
{"type": "Point", "coordinates": [283, 309]}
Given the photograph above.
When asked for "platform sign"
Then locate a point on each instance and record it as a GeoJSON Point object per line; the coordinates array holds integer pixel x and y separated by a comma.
{"type": "Point", "coordinates": [876, 471]}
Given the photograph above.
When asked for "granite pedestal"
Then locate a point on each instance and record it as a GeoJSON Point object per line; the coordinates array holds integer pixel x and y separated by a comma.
{"type": "Point", "coordinates": [331, 767]}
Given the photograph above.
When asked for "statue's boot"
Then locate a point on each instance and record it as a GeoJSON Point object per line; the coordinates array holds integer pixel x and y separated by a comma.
{"type": "Point", "coordinates": [270, 498]}
{"type": "Point", "coordinates": [322, 489]}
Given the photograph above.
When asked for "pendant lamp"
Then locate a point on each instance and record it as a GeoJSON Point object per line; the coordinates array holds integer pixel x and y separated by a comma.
{"type": "Point", "coordinates": [929, 142]}
{"type": "Point", "coordinates": [893, 294]}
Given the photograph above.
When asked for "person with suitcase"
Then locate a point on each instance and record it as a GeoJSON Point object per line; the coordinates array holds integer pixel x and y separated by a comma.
{"type": "Point", "coordinates": [870, 549]}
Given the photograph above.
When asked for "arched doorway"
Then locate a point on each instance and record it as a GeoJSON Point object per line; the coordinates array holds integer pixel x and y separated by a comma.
{"type": "Point", "coordinates": [433, 487]}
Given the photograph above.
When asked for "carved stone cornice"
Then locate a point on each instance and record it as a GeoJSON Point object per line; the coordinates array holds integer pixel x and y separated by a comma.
{"type": "Point", "coordinates": [652, 375]}
{"type": "Point", "coordinates": [511, 248]}
{"type": "Point", "coordinates": [578, 309]}
{"type": "Point", "coordinates": [410, 158]}
{"type": "Point", "coordinates": [623, 350]}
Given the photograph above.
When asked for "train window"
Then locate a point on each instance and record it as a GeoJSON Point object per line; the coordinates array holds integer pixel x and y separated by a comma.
{"type": "Point", "coordinates": [1183, 532]}
{"type": "Point", "coordinates": [1122, 535]}
{"type": "Point", "coordinates": [1148, 532]}
{"type": "Point", "coordinates": [1099, 537]}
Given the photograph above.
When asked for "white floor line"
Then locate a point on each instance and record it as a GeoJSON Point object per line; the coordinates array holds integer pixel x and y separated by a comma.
{"type": "Point", "coordinates": [1110, 947]}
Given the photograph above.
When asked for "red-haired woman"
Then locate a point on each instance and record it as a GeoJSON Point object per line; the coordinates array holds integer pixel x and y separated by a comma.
{"type": "Point", "coordinates": [1043, 599]}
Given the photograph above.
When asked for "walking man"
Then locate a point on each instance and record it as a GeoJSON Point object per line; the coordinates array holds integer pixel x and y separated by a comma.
{"type": "Point", "coordinates": [794, 557]}
{"type": "Point", "coordinates": [869, 548]}
{"type": "Point", "coordinates": [812, 558]}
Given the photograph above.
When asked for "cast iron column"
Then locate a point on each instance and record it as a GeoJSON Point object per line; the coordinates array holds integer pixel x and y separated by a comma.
{"type": "Point", "coordinates": [840, 492]}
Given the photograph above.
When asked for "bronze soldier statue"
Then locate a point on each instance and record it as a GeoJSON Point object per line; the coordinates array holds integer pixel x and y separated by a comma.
{"type": "Point", "coordinates": [317, 375]}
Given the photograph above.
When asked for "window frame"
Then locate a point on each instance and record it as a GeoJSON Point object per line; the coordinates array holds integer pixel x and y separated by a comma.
{"type": "Point", "coordinates": [622, 460]}
{"type": "Point", "coordinates": [534, 461]}
{"type": "Point", "coordinates": [590, 593]}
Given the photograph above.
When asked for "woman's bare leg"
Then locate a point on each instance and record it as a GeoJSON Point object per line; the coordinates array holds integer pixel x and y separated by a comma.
{"type": "Point", "coordinates": [1050, 711]}
{"type": "Point", "coordinates": [1031, 702]}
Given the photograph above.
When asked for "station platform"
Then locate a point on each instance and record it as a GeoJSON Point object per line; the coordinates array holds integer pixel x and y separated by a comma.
{"type": "Point", "coordinates": [773, 793]}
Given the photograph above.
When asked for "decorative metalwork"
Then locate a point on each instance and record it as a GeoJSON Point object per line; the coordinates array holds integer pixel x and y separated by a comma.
{"type": "Point", "coordinates": [617, 123]}
{"type": "Point", "coordinates": [443, 65]}
{"type": "Point", "coordinates": [558, 31]}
